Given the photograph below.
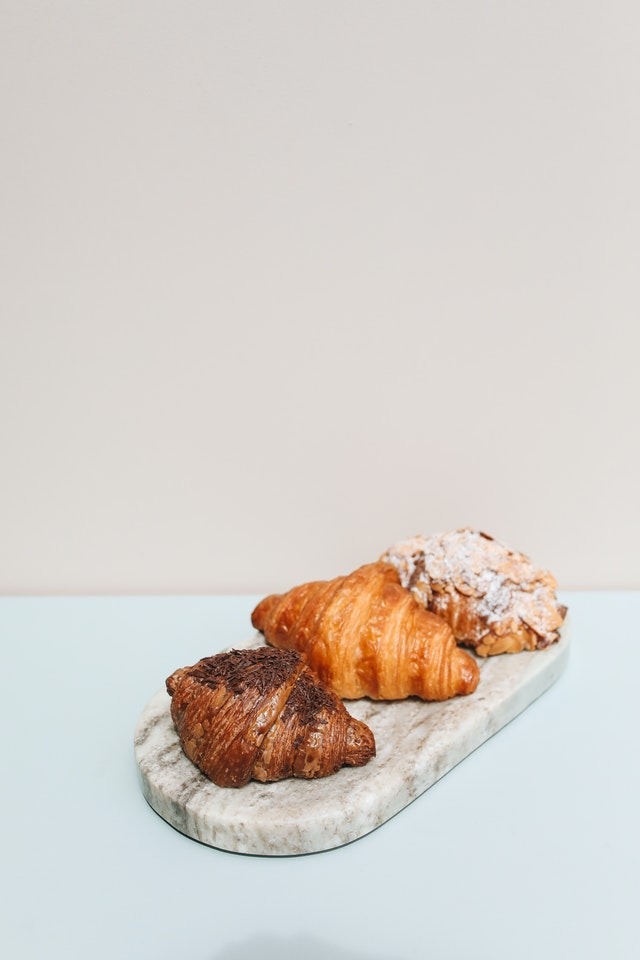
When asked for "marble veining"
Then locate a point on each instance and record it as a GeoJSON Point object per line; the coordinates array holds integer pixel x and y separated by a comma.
{"type": "Point", "coordinates": [417, 743]}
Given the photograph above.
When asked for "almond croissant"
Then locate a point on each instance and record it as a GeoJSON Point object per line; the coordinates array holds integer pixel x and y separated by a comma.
{"type": "Point", "coordinates": [366, 636]}
{"type": "Point", "coordinates": [493, 598]}
{"type": "Point", "coordinates": [262, 714]}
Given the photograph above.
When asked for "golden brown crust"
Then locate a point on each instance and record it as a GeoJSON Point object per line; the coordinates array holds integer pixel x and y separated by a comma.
{"type": "Point", "coordinates": [366, 636]}
{"type": "Point", "coordinates": [494, 598]}
{"type": "Point", "coordinates": [262, 714]}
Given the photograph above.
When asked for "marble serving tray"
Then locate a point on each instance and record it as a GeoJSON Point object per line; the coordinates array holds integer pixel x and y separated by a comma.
{"type": "Point", "coordinates": [417, 743]}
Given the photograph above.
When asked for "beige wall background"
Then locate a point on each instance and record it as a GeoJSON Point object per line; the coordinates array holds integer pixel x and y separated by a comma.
{"type": "Point", "coordinates": [286, 282]}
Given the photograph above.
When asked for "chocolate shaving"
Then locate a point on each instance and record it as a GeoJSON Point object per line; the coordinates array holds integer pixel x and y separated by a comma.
{"type": "Point", "coordinates": [262, 669]}
{"type": "Point", "coordinates": [308, 699]}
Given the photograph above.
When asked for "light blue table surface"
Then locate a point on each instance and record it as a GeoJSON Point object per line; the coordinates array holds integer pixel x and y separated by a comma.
{"type": "Point", "coordinates": [529, 848]}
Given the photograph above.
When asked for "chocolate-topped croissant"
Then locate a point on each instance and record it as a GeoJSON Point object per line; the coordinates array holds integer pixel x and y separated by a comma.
{"type": "Point", "coordinates": [366, 636]}
{"type": "Point", "coordinates": [262, 714]}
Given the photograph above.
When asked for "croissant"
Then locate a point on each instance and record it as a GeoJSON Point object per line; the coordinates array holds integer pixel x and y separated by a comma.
{"type": "Point", "coordinates": [262, 714]}
{"type": "Point", "coordinates": [366, 636]}
{"type": "Point", "coordinates": [494, 599]}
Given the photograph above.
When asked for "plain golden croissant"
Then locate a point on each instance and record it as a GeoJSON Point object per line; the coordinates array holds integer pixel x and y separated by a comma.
{"type": "Point", "coordinates": [494, 598]}
{"type": "Point", "coordinates": [262, 714]}
{"type": "Point", "coordinates": [366, 636]}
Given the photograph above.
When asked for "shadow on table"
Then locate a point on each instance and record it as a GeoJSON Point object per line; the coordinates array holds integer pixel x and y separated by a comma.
{"type": "Point", "coordinates": [294, 948]}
